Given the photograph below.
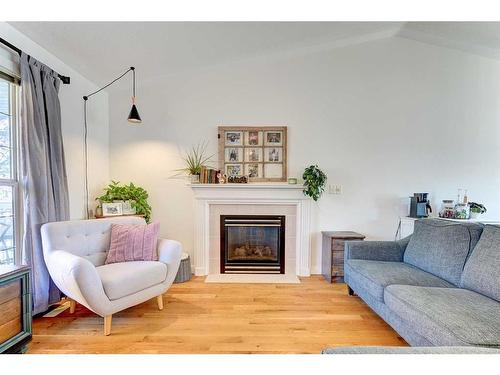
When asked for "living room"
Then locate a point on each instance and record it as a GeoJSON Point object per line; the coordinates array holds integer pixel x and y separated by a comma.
{"type": "Point", "coordinates": [193, 186]}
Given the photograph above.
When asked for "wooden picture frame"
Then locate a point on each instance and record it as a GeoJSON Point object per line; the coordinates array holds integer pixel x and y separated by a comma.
{"type": "Point", "coordinates": [261, 151]}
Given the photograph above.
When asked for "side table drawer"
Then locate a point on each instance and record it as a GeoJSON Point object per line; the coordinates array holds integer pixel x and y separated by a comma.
{"type": "Point", "coordinates": [10, 310]}
{"type": "Point", "coordinates": [10, 291]}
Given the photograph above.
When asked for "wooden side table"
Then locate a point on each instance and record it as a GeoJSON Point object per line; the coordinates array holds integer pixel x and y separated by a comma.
{"type": "Point", "coordinates": [332, 259]}
{"type": "Point", "coordinates": [15, 309]}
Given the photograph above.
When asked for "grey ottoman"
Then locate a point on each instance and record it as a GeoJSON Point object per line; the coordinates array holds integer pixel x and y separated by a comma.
{"type": "Point", "coordinates": [184, 273]}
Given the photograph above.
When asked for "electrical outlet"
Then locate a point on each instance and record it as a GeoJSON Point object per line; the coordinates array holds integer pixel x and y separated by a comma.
{"type": "Point", "coordinates": [335, 189]}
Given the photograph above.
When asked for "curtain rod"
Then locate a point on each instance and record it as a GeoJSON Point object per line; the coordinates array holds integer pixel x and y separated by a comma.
{"type": "Point", "coordinates": [64, 79]}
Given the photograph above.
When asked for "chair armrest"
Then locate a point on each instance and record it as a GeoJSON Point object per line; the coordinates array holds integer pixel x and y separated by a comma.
{"type": "Point", "coordinates": [388, 251]}
{"type": "Point", "coordinates": [170, 253]}
{"type": "Point", "coordinates": [76, 277]}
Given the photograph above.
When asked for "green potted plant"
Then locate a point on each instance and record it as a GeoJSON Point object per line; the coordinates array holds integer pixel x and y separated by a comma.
{"type": "Point", "coordinates": [314, 182]}
{"type": "Point", "coordinates": [476, 209]}
{"type": "Point", "coordinates": [194, 160]}
{"type": "Point", "coordinates": [133, 195]}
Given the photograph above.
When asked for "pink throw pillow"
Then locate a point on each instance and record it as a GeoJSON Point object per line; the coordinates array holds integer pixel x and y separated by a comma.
{"type": "Point", "coordinates": [133, 242]}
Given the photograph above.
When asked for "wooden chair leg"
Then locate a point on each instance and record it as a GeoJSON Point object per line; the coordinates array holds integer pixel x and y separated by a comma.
{"type": "Point", "coordinates": [107, 325]}
{"type": "Point", "coordinates": [159, 299]}
{"type": "Point", "coordinates": [72, 306]}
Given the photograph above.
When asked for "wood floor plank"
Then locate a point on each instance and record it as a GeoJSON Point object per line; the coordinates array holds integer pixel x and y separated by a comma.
{"type": "Point", "coordinates": [201, 317]}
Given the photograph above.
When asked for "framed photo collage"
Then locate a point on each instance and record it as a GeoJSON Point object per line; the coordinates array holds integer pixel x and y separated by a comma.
{"type": "Point", "coordinates": [256, 152]}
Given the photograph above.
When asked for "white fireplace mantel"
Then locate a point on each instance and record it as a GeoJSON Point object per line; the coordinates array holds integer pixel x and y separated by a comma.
{"type": "Point", "coordinates": [267, 194]}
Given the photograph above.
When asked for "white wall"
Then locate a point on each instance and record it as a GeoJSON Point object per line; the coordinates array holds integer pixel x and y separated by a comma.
{"type": "Point", "coordinates": [384, 119]}
{"type": "Point", "coordinates": [72, 123]}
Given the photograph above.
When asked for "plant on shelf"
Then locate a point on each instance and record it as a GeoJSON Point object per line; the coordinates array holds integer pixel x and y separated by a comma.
{"type": "Point", "coordinates": [314, 182]}
{"type": "Point", "coordinates": [476, 209]}
{"type": "Point", "coordinates": [137, 196]}
{"type": "Point", "coordinates": [195, 159]}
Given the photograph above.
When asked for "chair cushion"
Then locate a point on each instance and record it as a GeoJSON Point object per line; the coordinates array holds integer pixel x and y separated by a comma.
{"type": "Point", "coordinates": [123, 279]}
{"type": "Point", "coordinates": [441, 247]}
{"type": "Point", "coordinates": [133, 242]}
{"type": "Point", "coordinates": [482, 270]}
{"type": "Point", "coordinates": [447, 316]}
{"type": "Point", "coordinates": [376, 275]}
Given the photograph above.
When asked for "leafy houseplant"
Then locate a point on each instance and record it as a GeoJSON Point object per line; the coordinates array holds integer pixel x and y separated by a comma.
{"type": "Point", "coordinates": [476, 209]}
{"type": "Point", "coordinates": [195, 159]}
{"type": "Point", "coordinates": [314, 182]}
{"type": "Point", "coordinates": [137, 196]}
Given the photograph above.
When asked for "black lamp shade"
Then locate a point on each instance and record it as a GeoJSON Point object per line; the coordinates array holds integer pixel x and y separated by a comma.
{"type": "Point", "coordinates": [134, 115]}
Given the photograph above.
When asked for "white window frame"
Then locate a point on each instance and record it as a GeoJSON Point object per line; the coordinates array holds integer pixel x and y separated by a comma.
{"type": "Point", "coordinates": [13, 182]}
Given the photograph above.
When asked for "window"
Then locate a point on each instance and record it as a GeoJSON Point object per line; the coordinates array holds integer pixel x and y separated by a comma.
{"type": "Point", "coordinates": [8, 173]}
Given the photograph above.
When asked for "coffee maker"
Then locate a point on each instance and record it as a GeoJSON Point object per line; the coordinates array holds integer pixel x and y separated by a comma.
{"type": "Point", "coordinates": [420, 205]}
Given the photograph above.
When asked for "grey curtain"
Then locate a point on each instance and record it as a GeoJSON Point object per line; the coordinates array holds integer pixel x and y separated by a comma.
{"type": "Point", "coordinates": [43, 171]}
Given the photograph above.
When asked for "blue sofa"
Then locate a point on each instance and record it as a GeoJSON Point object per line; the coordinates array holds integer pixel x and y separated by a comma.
{"type": "Point", "coordinates": [438, 287]}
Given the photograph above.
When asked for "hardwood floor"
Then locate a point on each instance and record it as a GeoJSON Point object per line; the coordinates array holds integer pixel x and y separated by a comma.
{"type": "Point", "coordinates": [200, 317]}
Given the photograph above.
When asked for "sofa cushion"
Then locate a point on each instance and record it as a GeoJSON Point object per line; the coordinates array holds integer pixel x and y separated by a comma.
{"type": "Point", "coordinates": [447, 316]}
{"type": "Point", "coordinates": [482, 270]}
{"type": "Point", "coordinates": [376, 275]}
{"type": "Point", "coordinates": [441, 247]}
{"type": "Point", "coordinates": [123, 279]}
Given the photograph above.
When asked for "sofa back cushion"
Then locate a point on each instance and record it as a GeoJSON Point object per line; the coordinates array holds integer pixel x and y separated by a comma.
{"type": "Point", "coordinates": [131, 243]}
{"type": "Point", "coordinates": [88, 239]}
{"type": "Point", "coordinates": [441, 247]}
{"type": "Point", "coordinates": [482, 270]}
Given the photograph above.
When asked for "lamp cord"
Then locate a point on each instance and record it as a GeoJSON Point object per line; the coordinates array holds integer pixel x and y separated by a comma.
{"type": "Point", "coordinates": [85, 130]}
{"type": "Point", "coordinates": [85, 153]}
{"type": "Point", "coordinates": [113, 81]}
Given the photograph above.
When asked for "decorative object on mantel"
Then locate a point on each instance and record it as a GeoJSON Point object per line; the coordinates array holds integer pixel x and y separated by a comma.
{"type": "Point", "coordinates": [292, 181]}
{"type": "Point", "coordinates": [133, 118]}
{"type": "Point", "coordinates": [196, 161]}
{"type": "Point", "coordinates": [259, 153]}
{"type": "Point", "coordinates": [237, 179]}
{"type": "Point", "coordinates": [314, 182]}
{"type": "Point", "coordinates": [209, 176]}
{"type": "Point", "coordinates": [332, 260]}
{"type": "Point", "coordinates": [134, 198]}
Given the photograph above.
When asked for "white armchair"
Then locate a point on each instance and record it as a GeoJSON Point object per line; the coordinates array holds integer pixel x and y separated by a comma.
{"type": "Point", "coordinates": [75, 252]}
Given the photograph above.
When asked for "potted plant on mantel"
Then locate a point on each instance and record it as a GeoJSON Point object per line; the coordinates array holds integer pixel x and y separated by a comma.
{"type": "Point", "coordinates": [195, 159]}
{"type": "Point", "coordinates": [314, 182]}
{"type": "Point", "coordinates": [130, 195]}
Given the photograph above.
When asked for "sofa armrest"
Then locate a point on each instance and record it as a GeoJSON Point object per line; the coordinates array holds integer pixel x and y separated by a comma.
{"type": "Point", "coordinates": [170, 253]}
{"type": "Point", "coordinates": [77, 278]}
{"type": "Point", "coordinates": [388, 251]}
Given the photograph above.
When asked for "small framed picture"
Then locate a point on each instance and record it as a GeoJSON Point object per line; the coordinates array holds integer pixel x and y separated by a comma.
{"type": "Point", "coordinates": [273, 170]}
{"type": "Point", "coordinates": [273, 154]}
{"type": "Point", "coordinates": [273, 138]}
{"type": "Point", "coordinates": [233, 138]}
{"type": "Point", "coordinates": [234, 170]}
{"type": "Point", "coordinates": [253, 154]}
{"type": "Point", "coordinates": [253, 138]}
{"type": "Point", "coordinates": [112, 209]}
{"type": "Point", "coordinates": [234, 154]}
{"type": "Point", "coordinates": [253, 170]}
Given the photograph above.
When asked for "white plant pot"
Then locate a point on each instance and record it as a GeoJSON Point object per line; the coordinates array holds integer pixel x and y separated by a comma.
{"type": "Point", "coordinates": [474, 215]}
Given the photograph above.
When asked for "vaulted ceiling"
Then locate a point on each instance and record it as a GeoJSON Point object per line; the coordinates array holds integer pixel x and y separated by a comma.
{"type": "Point", "coordinates": [100, 50]}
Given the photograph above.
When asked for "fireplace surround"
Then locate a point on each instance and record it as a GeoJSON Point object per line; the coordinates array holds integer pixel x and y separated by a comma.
{"type": "Point", "coordinates": [213, 200]}
{"type": "Point", "coordinates": [252, 244]}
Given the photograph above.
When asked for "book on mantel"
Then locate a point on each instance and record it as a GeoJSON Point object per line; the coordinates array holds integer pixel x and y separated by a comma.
{"type": "Point", "coordinates": [209, 176]}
